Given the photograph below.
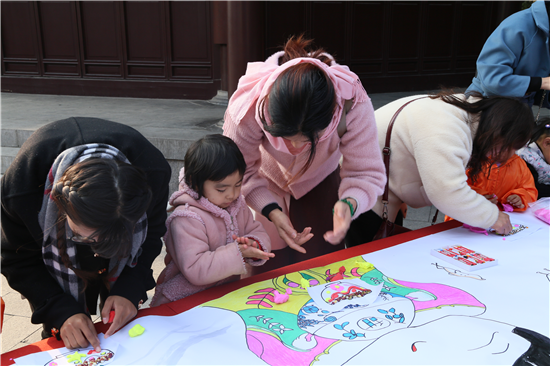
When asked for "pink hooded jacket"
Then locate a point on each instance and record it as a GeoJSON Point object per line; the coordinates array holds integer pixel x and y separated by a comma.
{"type": "Point", "coordinates": [201, 250]}
{"type": "Point", "coordinates": [271, 164]}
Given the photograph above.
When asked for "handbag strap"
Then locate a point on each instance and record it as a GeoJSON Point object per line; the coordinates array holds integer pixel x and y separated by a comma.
{"type": "Point", "coordinates": [386, 151]}
{"type": "Point", "coordinates": [540, 105]}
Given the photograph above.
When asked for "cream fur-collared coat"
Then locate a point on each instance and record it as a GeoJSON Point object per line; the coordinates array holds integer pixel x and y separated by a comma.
{"type": "Point", "coordinates": [431, 144]}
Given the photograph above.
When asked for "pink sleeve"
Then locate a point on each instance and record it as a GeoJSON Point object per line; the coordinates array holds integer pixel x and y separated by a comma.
{"type": "Point", "coordinates": [195, 258]}
{"type": "Point", "coordinates": [248, 136]}
{"type": "Point", "coordinates": [363, 172]}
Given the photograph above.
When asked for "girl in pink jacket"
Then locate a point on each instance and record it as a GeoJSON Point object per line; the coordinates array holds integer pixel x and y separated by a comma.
{"type": "Point", "coordinates": [211, 233]}
{"type": "Point", "coordinates": [295, 117]}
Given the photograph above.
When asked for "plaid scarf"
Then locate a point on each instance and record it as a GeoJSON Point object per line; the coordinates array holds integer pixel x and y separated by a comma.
{"type": "Point", "coordinates": [48, 217]}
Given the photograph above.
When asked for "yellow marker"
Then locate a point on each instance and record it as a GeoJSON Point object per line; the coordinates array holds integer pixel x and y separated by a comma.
{"type": "Point", "coordinates": [75, 357]}
{"type": "Point", "coordinates": [305, 283]}
{"type": "Point", "coordinates": [136, 330]}
{"type": "Point", "coordinates": [366, 266]}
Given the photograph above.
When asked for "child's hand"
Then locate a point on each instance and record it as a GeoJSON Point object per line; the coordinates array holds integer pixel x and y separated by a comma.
{"type": "Point", "coordinates": [515, 201]}
{"type": "Point", "coordinates": [492, 197]}
{"type": "Point", "coordinates": [250, 252]}
{"type": "Point", "coordinates": [243, 240]}
{"type": "Point", "coordinates": [251, 249]}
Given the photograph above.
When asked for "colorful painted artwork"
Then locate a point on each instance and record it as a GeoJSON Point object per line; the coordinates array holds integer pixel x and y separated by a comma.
{"type": "Point", "coordinates": [516, 228]}
{"type": "Point", "coordinates": [83, 357]}
{"type": "Point", "coordinates": [302, 331]}
{"type": "Point", "coordinates": [425, 313]}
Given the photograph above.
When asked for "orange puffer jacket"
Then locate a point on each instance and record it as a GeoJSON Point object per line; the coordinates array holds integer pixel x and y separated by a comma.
{"type": "Point", "coordinates": [513, 177]}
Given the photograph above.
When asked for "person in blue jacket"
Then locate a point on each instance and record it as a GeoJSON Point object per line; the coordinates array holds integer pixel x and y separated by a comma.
{"type": "Point", "coordinates": [515, 60]}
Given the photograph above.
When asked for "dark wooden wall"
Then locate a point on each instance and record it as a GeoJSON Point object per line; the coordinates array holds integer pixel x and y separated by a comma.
{"type": "Point", "coordinates": [149, 49]}
{"type": "Point", "coordinates": [394, 45]}
{"type": "Point", "coordinates": [191, 49]}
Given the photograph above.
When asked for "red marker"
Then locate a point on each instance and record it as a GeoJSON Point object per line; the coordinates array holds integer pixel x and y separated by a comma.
{"type": "Point", "coordinates": [111, 316]}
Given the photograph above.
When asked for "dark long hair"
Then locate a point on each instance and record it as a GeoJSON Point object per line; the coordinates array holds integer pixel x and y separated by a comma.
{"type": "Point", "coordinates": [302, 99]}
{"type": "Point", "coordinates": [504, 122]}
{"type": "Point", "coordinates": [541, 129]}
{"type": "Point", "coordinates": [213, 157]}
{"type": "Point", "coordinates": [103, 194]}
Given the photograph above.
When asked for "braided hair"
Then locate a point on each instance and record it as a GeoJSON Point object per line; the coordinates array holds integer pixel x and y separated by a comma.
{"type": "Point", "coordinates": [106, 195]}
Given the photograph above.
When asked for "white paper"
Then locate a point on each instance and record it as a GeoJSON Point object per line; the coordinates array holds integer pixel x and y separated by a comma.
{"type": "Point", "coordinates": [427, 312]}
{"type": "Point", "coordinates": [62, 356]}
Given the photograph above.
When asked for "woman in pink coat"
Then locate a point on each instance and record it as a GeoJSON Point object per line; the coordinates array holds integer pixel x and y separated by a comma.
{"type": "Point", "coordinates": [294, 117]}
{"type": "Point", "coordinates": [211, 233]}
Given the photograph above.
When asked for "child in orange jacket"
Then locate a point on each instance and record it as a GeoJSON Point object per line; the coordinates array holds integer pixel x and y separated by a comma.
{"type": "Point", "coordinates": [509, 185]}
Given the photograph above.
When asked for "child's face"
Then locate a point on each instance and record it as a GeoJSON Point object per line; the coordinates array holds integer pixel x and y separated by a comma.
{"type": "Point", "coordinates": [544, 145]}
{"type": "Point", "coordinates": [504, 155]}
{"type": "Point", "coordinates": [224, 192]}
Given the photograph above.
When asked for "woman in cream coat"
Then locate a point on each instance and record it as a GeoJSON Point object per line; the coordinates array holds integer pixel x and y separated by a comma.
{"type": "Point", "coordinates": [434, 140]}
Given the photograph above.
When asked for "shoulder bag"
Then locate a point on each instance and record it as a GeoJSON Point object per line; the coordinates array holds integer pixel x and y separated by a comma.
{"type": "Point", "coordinates": [388, 228]}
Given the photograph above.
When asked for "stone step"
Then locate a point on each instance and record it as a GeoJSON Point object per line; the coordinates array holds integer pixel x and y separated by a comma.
{"type": "Point", "coordinates": [8, 154]}
{"type": "Point", "coordinates": [15, 137]}
{"type": "Point", "coordinates": [173, 148]}
{"type": "Point", "coordinates": [170, 124]}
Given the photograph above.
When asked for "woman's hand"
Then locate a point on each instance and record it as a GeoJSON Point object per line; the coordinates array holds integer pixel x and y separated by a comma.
{"type": "Point", "coordinates": [78, 331]}
{"type": "Point", "coordinates": [124, 312]}
{"type": "Point", "coordinates": [515, 201]}
{"type": "Point", "coordinates": [503, 225]}
{"type": "Point", "coordinates": [341, 220]}
{"type": "Point", "coordinates": [251, 249]}
{"type": "Point", "coordinates": [287, 233]}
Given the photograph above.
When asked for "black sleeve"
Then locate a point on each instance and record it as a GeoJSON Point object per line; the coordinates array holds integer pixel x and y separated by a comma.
{"type": "Point", "coordinates": [534, 84]}
{"type": "Point", "coordinates": [26, 273]}
{"type": "Point", "coordinates": [22, 190]}
{"type": "Point", "coordinates": [134, 283]}
{"type": "Point", "coordinates": [267, 209]}
{"type": "Point", "coordinates": [544, 189]}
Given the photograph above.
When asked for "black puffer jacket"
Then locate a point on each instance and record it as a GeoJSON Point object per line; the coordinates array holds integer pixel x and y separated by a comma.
{"type": "Point", "coordinates": [22, 193]}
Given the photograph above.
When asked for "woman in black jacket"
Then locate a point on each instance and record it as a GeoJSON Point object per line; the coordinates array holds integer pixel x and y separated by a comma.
{"type": "Point", "coordinates": [83, 212]}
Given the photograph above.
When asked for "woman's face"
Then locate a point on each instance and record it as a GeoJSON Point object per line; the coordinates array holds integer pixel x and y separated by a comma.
{"type": "Point", "coordinates": [297, 141]}
{"type": "Point", "coordinates": [81, 231]}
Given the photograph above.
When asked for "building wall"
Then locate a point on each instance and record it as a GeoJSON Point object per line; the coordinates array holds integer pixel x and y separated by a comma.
{"type": "Point", "coordinates": [394, 45]}
{"type": "Point", "coordinates": [192, 49]}
{"type": "Point", "coordinates": [109, 48]}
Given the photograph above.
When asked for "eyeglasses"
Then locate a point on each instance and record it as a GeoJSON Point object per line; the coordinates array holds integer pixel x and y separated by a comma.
{"type": "Point", "coordinates": [82, 239]}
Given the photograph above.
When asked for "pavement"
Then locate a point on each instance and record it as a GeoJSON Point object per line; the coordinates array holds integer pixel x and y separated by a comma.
{"type": "Point", "coordinates": [170, 124]}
